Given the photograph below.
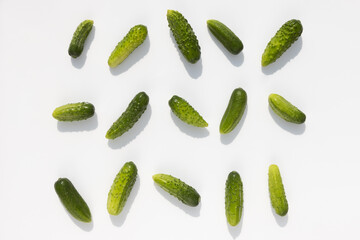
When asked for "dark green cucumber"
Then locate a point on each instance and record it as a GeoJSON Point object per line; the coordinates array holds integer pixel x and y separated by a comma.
{"type": "Point", "coordinates": [74, 112]}
{"type": "Point", "coordinates": [135, 37]}
{"type": "Point", "coordinates": [230, 41]}
{"type": "Point", "coordinates": [277, 192]}
{"type": "Point", "coordinates": [185, 193]}
{"type": "Point", "coordinates": [72, 200]}
{"type": "Point", "coordinates": [283, 39]}
{"type": "Point", "coordinates": [233, 198]}
{"type": "Point", "coordinates": [184, 36]}
{"type": "Point", "coordinates": [286, 110]}
{"type": "Point", "coordinates": [121, 188]}
{"type": "Point", "coordinates": [183, 110]}
{"type": "Point", "coordinates": [78, 40]}
{"type": "Point", "coordinates": [128, 118]}
{"type": "Point", "coordinates": [234, 111]}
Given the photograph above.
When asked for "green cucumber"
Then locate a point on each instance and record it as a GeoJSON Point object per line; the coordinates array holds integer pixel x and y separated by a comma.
{"type": "Point", "coordinates": [233, 198]}
{"type": "Point", "coordinates": [183, 110]}
{"type": "Point", "coordinates": [283, 39]}
{"type": "Point", "coordinates": [121, 188]}
{"type": "Point", "coordinates": [234, 111]}
{"type": "Point", "coordinates": [74, 112]}
{"type": "Point", "coordinates": [185, 193]}
{"type": "Point", "coordinates": [78, 40]}
{"type": "Point", "coordinates": [230, 41]}
{"type": "Point", "coordinates": [184, 36]}
{"type": "Point", "coordinates": [135, 37]}
{"type": "Point", "coordinates": [277, 192]}
{"type": "Point", "coordinates": [72, 200]}
{"type": "Point", "coordinates": [128, 118]}
{"type": "Point", "coordinates": [286, 110]}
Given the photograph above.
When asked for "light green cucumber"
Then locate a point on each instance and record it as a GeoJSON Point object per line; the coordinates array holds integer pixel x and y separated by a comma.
{"type": "Point", "coordinates": [74, 112]}
{"type": "Point", "coordinates": [277, 192]}
{"type": "Point", "coordinates": [233, 198]}
{"type": "Point", "coordinates": [78, 40]}
{"type": "Point", "coordinates": [286, 110]}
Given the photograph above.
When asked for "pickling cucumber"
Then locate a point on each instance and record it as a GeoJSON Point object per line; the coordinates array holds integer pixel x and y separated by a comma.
{"type": "Point", "coordinates": [78, 40]}
{"type": "Point", "coordinates": [286, 110]}
{"type": "Point", "coordinates": [74, 112]}
{"type": "Point", "coordinates": [277, 192]}
{"type": "Point", "coordinates": [233, 198]}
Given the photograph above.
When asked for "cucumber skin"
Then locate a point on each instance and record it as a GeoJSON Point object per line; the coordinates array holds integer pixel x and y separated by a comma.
{"type": "Point", "coordinates": [134, 38]}
{"type": "Point", "coordinates": [277, 192]}
{"type": "Point", "coordinates": [283, 39]}
{"type": "Point", "coordinates": [183, 110]}
{"type": "Point", "coordinates": [74, 112]}
{"type": "Point", "coordinates": [72, 200]}
{"type": "Point", "coordinates": [227, 37]}
{"type": "Point", "coordinates": [185, 193]}
{"type": "Point", "coordinates": [121, 188]}
{"type": "Point", "coordinates": [80, 35]}
{"type": "Point", "coordinates": [233, 198]}
{"type": "Point", "coordinates": [184, 36]}
{"type": "Point", "coordinates": [234, 111]}
{"type": "Point", "coordinates": [285, 109]}
{"type": "Point", "coordinates": [128, 118]}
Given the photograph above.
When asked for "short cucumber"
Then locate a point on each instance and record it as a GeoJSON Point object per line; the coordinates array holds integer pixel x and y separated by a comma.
{"type": "Point", "coordinates": [230, 41]}
{"type": "Point", "coordinates": [233, 198]}
{"type": "Point", "coordinates": [72, 200]}
{"type": "Point", "coordinates": [277, 192]}
{"type": "Point", "coordinates": [185, 193]}
{"type": "Point", "coordinates": [78, 40]}
{"type": "Point", "coordinates": [128, 118]}
{"type": "Point", "coordinates": [121, 188]}
{"type": "Point", "coordinates": [286, 110]}
{"type": "Point", "coordinates": [74, 112]}
{"type": "Point", "coordinates": [234, 111]}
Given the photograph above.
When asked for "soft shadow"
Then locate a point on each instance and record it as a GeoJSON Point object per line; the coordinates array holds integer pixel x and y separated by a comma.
{"type": "Point", "coordinates": [236, 230]}
{"type": "Point", "coordinates": [87, 227]}
{"type": "Point", "coordinates": [296, 129]}
{"type": "Point", "coordinates": [281, 221]}
{"type": "Point", "coordinates": [229, 137]}
{"type": "Point", "coordinates": [78, 126]}
{"type": "Point", "coordinates": [195, 132]}
{"type": "Point", "coordinates": [289, 54]}
{"type": "Point", "coordinates": [133, 132]}
{"type": "Point", "coordinates": [80, 61]}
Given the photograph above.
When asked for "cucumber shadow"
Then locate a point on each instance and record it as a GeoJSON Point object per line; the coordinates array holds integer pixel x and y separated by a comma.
{"type": "Point", "coordinates": [78, 126]}
{"type": "Point", "coordinates": [236, 230]}
{"type": "Point", "coordinates": [296, 129]}
{"type": "Point", "coordinates": [281, 221]}
{"type": "Point", "coordinates": [79, 62]}
{"type": "Point", "coordinates": [229, 137]}
{"type": "Point", "coordinates": [195, 132]}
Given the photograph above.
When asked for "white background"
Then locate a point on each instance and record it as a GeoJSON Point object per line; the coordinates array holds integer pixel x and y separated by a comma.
{"type": "Point", "coordinates": [319, 160]}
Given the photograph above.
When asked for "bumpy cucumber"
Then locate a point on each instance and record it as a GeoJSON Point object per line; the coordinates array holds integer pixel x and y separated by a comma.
{"type": "Point", "coordinates": [230, 41]}
{"type": "Point", "coordinates": [184, 36]}
{"type": "Point", "coordinates": [77, 43]}
{"type": "Point", "coordinates": [74, 112]}
{"type": "Point", "coordinates": [185, 193]}
{"type": "Point", "coordinates": [128, 118]}
{"type": "Point", "coordinates": [277, 192]}
{"type": "Point", "coordinates": [233, 198]}
{"type": "Point", "coordinates": [283, 39]}
{"type": "Point", "coordinates": [183, 110]}
{"type": "Point", "coordinates": [121, 188]}
{"type": "Point", "coordinates": [72, 200]}
{"type": "Point", "coordinates": [286, 110]}
{"type": "Point", "coordinates": [234, 111]}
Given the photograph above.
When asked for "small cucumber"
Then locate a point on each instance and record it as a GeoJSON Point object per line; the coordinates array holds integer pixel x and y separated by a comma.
{"type": "Point", "coordinates": [121, 188]}
{"type": "Point", "coordinates": [283, 39]}
{"type": "Point", "coordinates": [277, 192]}
{"type": "Point", "coordinates": [234, 111]}
{"type": "Point", "coordinates": [183, 110]}
{"type": "Point", "coordinates": [286, 110]}
{"type": "Point", "coordinates": [230, 41]}
{"type": "Point", "coordinates": [78, 40]}
{"type": "Point", "coordinates": [233, 198]}
{"type": "Point", "coordinates": [184, 36]}
{"type": "Point", "coordinates": [135, 37]}
{"type": "Point", "coordinates": [128, 118]}
{"type": "Point", "coordinates": [72, 200]}
{"type": "Point", "coordinates": [74, 112]}
{"type": "Point", "coordinates": [185, 193]}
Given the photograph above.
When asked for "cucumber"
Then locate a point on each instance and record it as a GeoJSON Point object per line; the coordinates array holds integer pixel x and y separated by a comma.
{"type": "Point", "coordinates": [233, 198]}
{"type": "Point", "coordinates": [78, 40]}
{"type": "Point", "coordinates": [234, 111]}
{"type": "Point", "coordinates": [286, 110]}
{"type": "Point", "coordinates": [277, 192]}
{"type": "Point", "coordinates": [184, 36]}
{"type": "Point", "coordinates": [185, 193]}
{"type": "Point", "coordinates": [72, 200]}
{"type": "Point", "coordinates": [121, 188]}
{"type": "Point", "coordinates": [283, 39]}
{"type": "Point", "coordinates": [134, 38]}
{"type": "Point", "coordinates": [183, 110]}
{"type": "Point", "coordinates": [74, 112]}
{"type": "Point", "coordinates": [230, 41]}
{"type": "Point", "coordinates": [128, 118]}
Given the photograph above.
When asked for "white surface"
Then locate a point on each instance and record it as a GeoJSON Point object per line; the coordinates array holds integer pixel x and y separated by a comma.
{"type": "Point", "coordinates": [319, 161]}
